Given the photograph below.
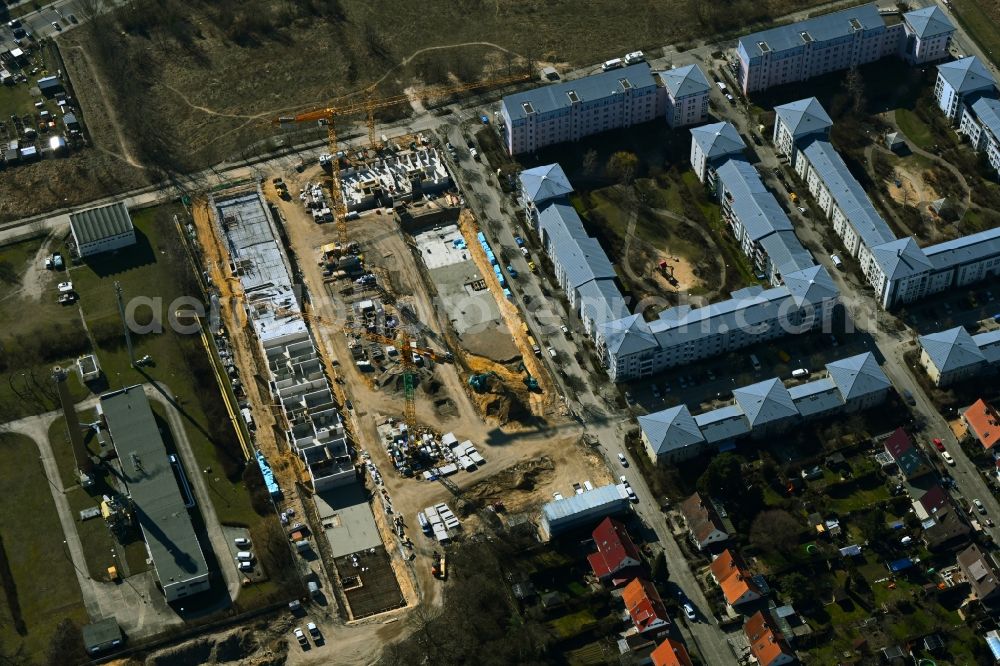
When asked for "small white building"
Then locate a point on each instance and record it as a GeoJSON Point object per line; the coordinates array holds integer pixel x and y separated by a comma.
{"type": "Point", "coordinates": [102, 229]}
{"type": "Point", "coordinates": [88, 367]}
{"type": "Point", "coordinates": [687, 95]}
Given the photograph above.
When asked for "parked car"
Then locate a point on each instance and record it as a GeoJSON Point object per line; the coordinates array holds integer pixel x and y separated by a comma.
{"type": "Point", "coordinates": [67, 299]}
{"type": "Point", "coordinates": [65, 287]}
{"type": "Point", "coordinates": [242, 542]}
{"type": "Point", "coordinates": [947, 458]}
{"type": "Point", "coordinates": [301, 638]}
{"type": "Point", "coordinates": [980, 507]}
{"type": "Point", "coordinates": [532, 267]}
{"type": "Point", "coordinates": [622, 459]}
{"type": "Point", "coordinates": [519, 241]}
{"type": "Point", "coordinates": [313, 630]}
{"type": "Point", "coordinates": [564, 329]}
{"type": "Point", "coordinates": [689, 611]}
{"type": "Point", "coordinates": [511, 272]}
{"type": "Point", "coordinates": [525, 253]}
{"type": "Point", "coordinates": [55, 24]}
{"type": "Point", "coordinates": [938, 444]}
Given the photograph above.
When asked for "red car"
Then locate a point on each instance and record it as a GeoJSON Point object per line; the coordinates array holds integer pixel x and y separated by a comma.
{"type": "Point", "coordinates": [938, 444]}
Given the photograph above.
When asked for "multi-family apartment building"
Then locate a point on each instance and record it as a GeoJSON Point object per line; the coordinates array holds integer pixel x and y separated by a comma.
{"type": "Point", "coordinates": [897, 268]}
{"type": "Point", "coordinates": [797, 121]}
{"type": "Point", "coordinates": [571, 110]}
{"type": "Point", "coordinates": [629, 346]}
{"type": "Point", "coordinates": [711, 146]}
{"type": "Point", "coordinates": [953, 355]}
{"type": "Point", "coordinates": [838, 41]}
{"type": "Point", "coordinates": [851, 384]}
{"type": "Point", "coordinates": [758, 222]}
{"type": "Point", "coordinates": [959, 81]}
{"type": "Point", "coordinates": [981, 123]}
{"type": "Point", "coordinates": [687, 95]}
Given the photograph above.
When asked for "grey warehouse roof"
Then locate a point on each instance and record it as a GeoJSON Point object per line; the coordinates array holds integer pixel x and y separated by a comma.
{"type": "Point", "coordinates": [717, 140]}
{"type": "Point", "coordinates": [684, 81]}
{"type": "Point", "coordinates": [966, 75]}
{"type": "Point", "coordinates": [848, 193]}
{"type": "Point", "coordinates": [820, 28]}
{"type": "Point", "coordinates": [928, 22]}
{"type": "Point", "coordinates": [952, 349]}
{"type": "Point", "coordinates": [544, 183]}
{"type": "Point", "coordinates": [671, 429]}
{"type": "Point", "coordinates": [803, 117]}
{"type": "Point", "coordinates": [147, 473]}
{"type": "Point", "coordinates": [590, 499]}
{"type": "Point", "coordinates": [546, 99]}
{"type": "Point", "coordinates": [95, 224]}
{"type": "Point", "coordinates": [859, 375]}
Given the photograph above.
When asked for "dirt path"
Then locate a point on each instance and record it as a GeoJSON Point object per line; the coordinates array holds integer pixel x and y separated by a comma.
{"type": "Point", "coordinates": [36, 278]}
{"type": "Point", "coordinates": [109, 110]}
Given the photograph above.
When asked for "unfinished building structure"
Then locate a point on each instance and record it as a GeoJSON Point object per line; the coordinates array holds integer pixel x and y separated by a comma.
{"type": "Point", "coordinates": [406, 175]}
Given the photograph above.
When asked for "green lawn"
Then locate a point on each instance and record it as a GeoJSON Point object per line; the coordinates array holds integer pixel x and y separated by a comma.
{"type": "Point", "coordinates": [47, 588]}
{"type": "Point", "coordinates": [915, 129]}
{"type": "Point", "coordinates": [573, 624]}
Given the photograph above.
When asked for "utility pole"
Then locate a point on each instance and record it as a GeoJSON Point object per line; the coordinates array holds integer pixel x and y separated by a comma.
{"type": "Point", "coordinates": [128, 333]}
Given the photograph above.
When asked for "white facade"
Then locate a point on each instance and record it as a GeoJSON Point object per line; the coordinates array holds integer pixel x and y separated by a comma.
{"type": "Point", "coordinates": [687, 95]}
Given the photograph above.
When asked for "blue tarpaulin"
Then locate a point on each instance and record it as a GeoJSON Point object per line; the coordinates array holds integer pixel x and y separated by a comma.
{"type": "Point", "coordinates": [900, 565]}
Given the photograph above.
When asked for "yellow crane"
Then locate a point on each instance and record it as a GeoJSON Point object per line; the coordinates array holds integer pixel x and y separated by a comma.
{"type": "Point", "coordinates": [369, 105]}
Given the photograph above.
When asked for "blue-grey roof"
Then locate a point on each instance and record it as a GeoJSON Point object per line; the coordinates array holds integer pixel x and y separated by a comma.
{"type": "Point", "coordinates": [560, 214]}
{"type": "Point", "coordinates": [765, 402]}
{"type": "Point", "coordinates": [717, 140]}
{"type": "Point", "coordinates": [952, 349]}
{"type": "Point", "coordinates": [989, 345]}
{"type": "Point", "coordinates": [585, 501]}
{"type": "Point", "coordinates": [601, 302]}
{"type": "Point", "coordinates": [671, 429]}
{"type": "Point", "coordinates": [804, 117]}
{"type": "Point", "coordinates": [928, 22]}
{"type": "Point", "coordinates": [786, 253]}
{"type": "Point", "coordinates": [629, 335]}
{"type": "Point", "coordinates": [966, 75]}
{"type": "Point", "coordinates": [757, 209]}
{"type": "Point", "coordinates": [820, 29]}
{"type": "Point", "coordinates": [816, 397]}
{"type": "Point", "coordinates": [964, 250]}
{"type": "Point", "coordinates": [848, 194]}
{"type": "Point", "coordinates": [684, 81]}
{"type": "Point", "coordinates": [812, 285]}
{"type": "Point", "coordinates": [588, 89]}
{"type": "Point", "coordinates": [987, 110]}
{"type": "Point", "coordinates": [858, 376]}
{"type": "Point", "coordinates": [544, 183]}
{"type": "Point", "coordinates": [901, 258]}
{"type": "Point", "coordinates": [722, 424]}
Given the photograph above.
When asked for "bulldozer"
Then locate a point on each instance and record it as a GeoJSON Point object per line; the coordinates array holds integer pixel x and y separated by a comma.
{"type": "Point", "coordinates": [480, 383]}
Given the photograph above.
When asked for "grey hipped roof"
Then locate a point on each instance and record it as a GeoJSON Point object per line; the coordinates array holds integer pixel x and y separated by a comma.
{"type": "Point", "coordinates": [987, 110]}
{"type": "Point", "coordinates": [758, 210]}
{"type": "Point", "coordinates": [928, 22]}
{"type": "Point", "coordinates": [848, 194]}
{"type": "Point", "coordinates": [812, 285]}
{"type": "Point", "coordinates": [581, 256]}
{"type": "Point", "coordinates": [857, 376]}
{"type": "Point", "coordinates": [816, 397]}
{"type": "Point", "coordinates": [820, 28]}
{"type": "Point", "coordinates": [630, 335]}
{"type": "Point", "coordinates": [765, 402]}
{"type": "Point", "coordinates": [671, 429]}
{"type": "Point", "coordinates": [544, 183]}
{"type": "Point", "coordinates": [804, 117]}
{"type": "Point", "coordinates": [599, 86]}
{"type": "Point", "coordinates": [159, 507]}
{"type": "Point", "coordinates": [684, 81]}
{"type": "Point", "coordinates": [786, 253]}
{"type": "Point", "coordinates": [97, 223]}
{"type": "Point", "coordinates": [601, 302]}
{"type": "Point", "coordinates": [718, 140]}
{"type": "Point", "coordinates": [966, 75]}
{"type": "Point", "coordinates": [952, 349]}
{"type": "Point", "coordinates": [901, 258]}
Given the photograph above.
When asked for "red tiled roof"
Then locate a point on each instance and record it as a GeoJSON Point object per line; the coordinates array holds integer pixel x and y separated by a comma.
{"type": "Point", "coordinates": [766, 645]}
{"type": "Point", "coordinates": [615, 549]}
{"type": "Point", "coordinates": [934, 499]}
{"type": "Point", "coordinates": [984, 423]}
{"type": "Point", "coordinates": [643, 604]}
{"type": "Point", "coordinates": [733, 577]}
{"type": "Point", "coordinates": [701, 517]}
{"type": "Point", "coordinates": [898, 443]}
{"type": "Point", "coordinates": [670, 653]}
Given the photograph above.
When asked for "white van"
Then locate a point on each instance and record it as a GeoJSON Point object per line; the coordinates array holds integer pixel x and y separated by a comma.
{"type": "Point", "coordinates": [613, 64]}
{"type": "Point", "coordinates": [634, 57]}
{"type": "Point", "coordinates": [244, 556]}
{"type": "Point", "coordinates": [837, 262]}
{"type": "Point", "coordinates": [800, 373]}
{"type": "Point", "coordinates": [754, 362]}
{"type": "Point", "coordinates": [722, 86]}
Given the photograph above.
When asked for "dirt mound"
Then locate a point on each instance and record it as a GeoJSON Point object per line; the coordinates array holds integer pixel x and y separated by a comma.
{"type": "Point", "coordinates": [516, 484]}
{"type": "Point", "coordinates": [254, 646]}
{"type": "Point", "coordinates": [445, 407]}
{"type": "Point", "coordinates": [193, 652]}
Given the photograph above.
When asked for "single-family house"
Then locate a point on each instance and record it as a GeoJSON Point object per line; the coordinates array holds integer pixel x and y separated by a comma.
{"type": "Point", "coordinates": [646, 608]}
{"type": "Point", "coordinates": [731, 574]}
{"type": "Point", "coordinates": [671, 653]}
{"type": "Point", "coordinates": [617, 558]}
{"type": "Point", "coordinates": [767, 646]}
{"type": "Point", "coordinates": [703, 522]}
{"type": "Point", "coordinates": [904, 453]}
{"type": "Point", "coordinates": [981, 573]}
{"type": "Point", "coordinates": [982, 422]}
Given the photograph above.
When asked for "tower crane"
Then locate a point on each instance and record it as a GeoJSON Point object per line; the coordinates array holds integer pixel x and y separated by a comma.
{"type": "Point", "coordinates": [369, 105]}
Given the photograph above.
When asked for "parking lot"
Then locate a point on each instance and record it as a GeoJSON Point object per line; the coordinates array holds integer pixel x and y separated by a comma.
{"type": "Point", "coordinates": [254, 572]}
{"type": "Point", "coordinates": [959, 308]}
